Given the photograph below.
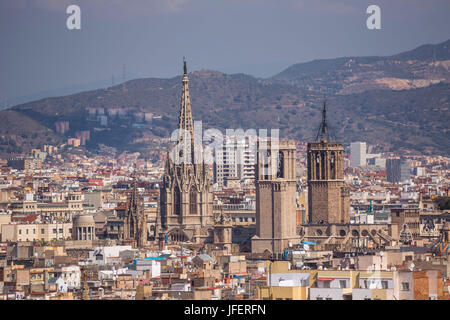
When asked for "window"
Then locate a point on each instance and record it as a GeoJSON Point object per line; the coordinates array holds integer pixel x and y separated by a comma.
{"type": "Point", "coordinates": [193, 201]}
{"type": "Point", "coordinates": [60, 230]}
{"type": "Point", "coordinates": [326, 284]}
{"type": "Point", "coordinates": [70, 230]}
{"type": "Point", "coordinates": [328, 299]}
{"type": "Point", "coordinates": [342, 284]}
{"type": "Point", "coordinates": [26, 231]}
{"type": "Point", "coordinates": [177, 201]}
{"type": "Point", "coordinates": [20, 231]}
{"type": "Point", "coordinates": [384, 284]}
{"type": "Point", "coordinates": [405, 286]}
{"type": "Point", "coordinates": [54, 230]}
{"type": "Point", "coordinates": [34, 231]}
{"type": "Point", "coordinates": [319, 298]}
{"type": "Point", "coordinates": [42, 231]}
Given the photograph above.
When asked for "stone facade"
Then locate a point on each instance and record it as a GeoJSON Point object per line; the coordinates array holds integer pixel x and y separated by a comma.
{"type": "Point", "coordinates": [328, 194]}
{"type": "Point", "coordinates": [134, 223]}
{"type": "Point", "coordinates": [275, 198]}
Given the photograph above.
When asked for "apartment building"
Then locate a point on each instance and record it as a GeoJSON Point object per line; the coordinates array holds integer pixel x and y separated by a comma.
{"type": "Point", "coordinates": [47, 232]}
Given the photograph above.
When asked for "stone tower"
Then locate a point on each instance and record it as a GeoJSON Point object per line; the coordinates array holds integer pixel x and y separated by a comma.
{"type": "Point", "coordinates": [223, 231]}
{"type": "Point", "coordinates": [328, 194]}
{"type": "Point", "coordinates": [185, 195]}
{"type": "Point", "coordinates": [275, 197]}
{"type": "Point", "coordinates": [135, 224]}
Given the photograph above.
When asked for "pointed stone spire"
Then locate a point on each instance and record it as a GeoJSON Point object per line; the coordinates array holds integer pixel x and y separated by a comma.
{"type": "Point", "coordinates": [185, 121]}
{"type": "Point", "coordinates": [185, 125]}
{"type": "Point", "coordinates": [322, 134]}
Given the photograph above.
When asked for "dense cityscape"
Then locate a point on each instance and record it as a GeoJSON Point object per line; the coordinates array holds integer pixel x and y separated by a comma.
{"type": "Point", "coordinates": [269, 219]}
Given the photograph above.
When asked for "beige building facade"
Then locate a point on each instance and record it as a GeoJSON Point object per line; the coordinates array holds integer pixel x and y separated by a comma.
{"type": "Point", "coordinates": [36, 232]}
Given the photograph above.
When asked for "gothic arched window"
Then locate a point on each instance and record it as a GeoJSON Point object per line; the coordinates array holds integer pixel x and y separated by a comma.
{"type": "Point", "coordinates": [193, 201]}
{"type": "Point", "coordinates": [280, 169]}
{"type": "Point", "coordinates": [177, 201]}
{"type": "Point", "coordinates": [333, 165]}
{"type": "Point", "coordinates": [323, 165]}
{"type": "Point", "coordinates": [317, 166]}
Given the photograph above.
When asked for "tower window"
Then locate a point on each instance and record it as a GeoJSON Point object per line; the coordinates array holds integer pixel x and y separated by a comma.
{"type": "Point", "coordinates": [193, 201]}
{"type": "Point", "coordinates": [280, 169]}
{"type": "Point", "coordinates": [177, 201]}
{"type": "Point", "coordinates": [322, 155]}
{"type": "Point", "coordinates": [317, 166]}
{"type": "Point", "coordinates": [333, 165]}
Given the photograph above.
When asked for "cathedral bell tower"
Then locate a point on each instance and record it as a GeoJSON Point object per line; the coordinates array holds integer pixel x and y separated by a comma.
{"type": "Point", "coordinates": [275, 197]}
{"type": "Point", "coordinates": [328, 194]}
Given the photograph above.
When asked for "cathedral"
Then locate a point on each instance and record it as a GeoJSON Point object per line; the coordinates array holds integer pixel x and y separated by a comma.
{"type": "Point", "coordinates": [186, 199]}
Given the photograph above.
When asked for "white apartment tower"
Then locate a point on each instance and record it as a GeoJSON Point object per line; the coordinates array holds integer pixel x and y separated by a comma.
{"type": "Point", "coordinates": [236, 159]}
{"type": "Point", "coordinates": [358, 154]}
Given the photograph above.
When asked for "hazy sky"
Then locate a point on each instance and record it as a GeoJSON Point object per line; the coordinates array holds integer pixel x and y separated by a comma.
{"type": "Point", "coordinates": [260, 37]}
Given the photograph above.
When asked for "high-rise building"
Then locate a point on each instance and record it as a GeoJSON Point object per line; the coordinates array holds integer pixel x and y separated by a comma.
{"type": "Point", "coordinates": [405, 171]}
{"type": "Point", "coordinates": [275, 198]}
{"type": "Point", "coordinates": [236, 159]}
{"type": "Point", "coordinates": [328, 194]}
{"type": "Point", "coordinates": [185, 210]}
{"type": "Point", "coordinates": [358, 154]}
{"type": "Point", "coordinates": [397, 171]}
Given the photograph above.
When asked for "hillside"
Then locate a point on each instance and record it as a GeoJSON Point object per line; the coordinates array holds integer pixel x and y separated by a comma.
{"type": "Point", "coordinates": [421, 67]}
{"type": "Point", "coordinates": [130, 116]}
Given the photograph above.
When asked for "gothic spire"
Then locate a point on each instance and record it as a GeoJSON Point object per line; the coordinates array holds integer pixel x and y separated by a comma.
{"type": "Point", "coordinates": [185, 121]}
{"type": "Point", "coordinates": [185, 125]}
{"type": "Point", "coordinates": [323, 134]}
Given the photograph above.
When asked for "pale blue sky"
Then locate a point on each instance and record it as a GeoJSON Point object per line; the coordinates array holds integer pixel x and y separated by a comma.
{"type": "Point", "coordinates": [259, 37]}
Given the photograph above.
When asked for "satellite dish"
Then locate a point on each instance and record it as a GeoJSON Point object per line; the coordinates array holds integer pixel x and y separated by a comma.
{"type": "Point", "coordinates": [306, 247]}
{"type": "Point", "coordinates": [381, 253]}
{"type": "Point", "coordinates": [411, 267]}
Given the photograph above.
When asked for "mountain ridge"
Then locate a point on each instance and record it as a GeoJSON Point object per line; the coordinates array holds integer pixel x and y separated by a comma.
{"type": "Point", "coordinates": [389, 113]}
